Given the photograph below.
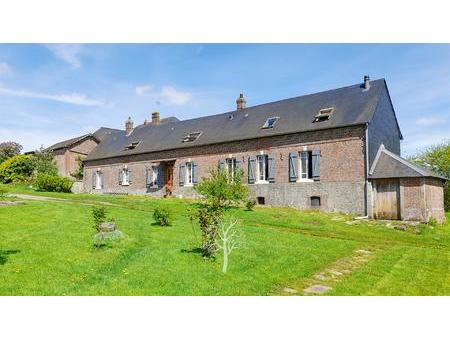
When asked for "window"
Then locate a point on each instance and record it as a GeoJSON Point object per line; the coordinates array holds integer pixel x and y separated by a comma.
{"type": "Point", "coordinates": [261, 200]}
{"type": "Point", "coordinates": [315, 201]}
{"type": "Point", "coordinates": [305, 166]}
{"type": "Point", "coordinates": [191, 137]}
{"type": "Point", "coordinates": [231, 167]}
{"type": "Point", "coordinates": [98, 180]}
{"type": "Point", "coordinates": [270, 122]}
{"type": "Point", "coordinates": [189, 173]}
{"type": "Point", "coordinates": [125, 177]}
{"type": "Point", "coordinates": [262, 168]}
{"type": "Point", "coordinates": [323, 114]}
{"type": "Point", "coordinates": [132, 145]}
{"type": "Point", "coordinates": [154, 176]}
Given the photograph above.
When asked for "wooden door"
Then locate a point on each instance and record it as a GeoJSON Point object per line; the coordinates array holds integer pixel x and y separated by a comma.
{"type": "Point", "coordinates": [169, 177]}
{"type": "Point", "coordinates": [386, 197]}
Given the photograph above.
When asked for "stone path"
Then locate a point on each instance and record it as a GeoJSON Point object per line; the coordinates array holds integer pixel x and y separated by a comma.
{"type": "Point", "coordinates": [324, 281]}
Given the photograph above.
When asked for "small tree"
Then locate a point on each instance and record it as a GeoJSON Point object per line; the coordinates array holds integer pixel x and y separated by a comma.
{"type": "Point", "coordinates": [44, 162]}
{"type": "Point", "coordinates": [78, 174]}
{"type": "Point", "coordinates": [229, 239]}
{"type": "Point", "coordinates": [8, 150]}
{"type": "Point", "coordinates": [218, 192]}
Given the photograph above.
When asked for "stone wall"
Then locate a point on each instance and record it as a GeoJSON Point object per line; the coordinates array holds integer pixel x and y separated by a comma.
{"type": "Point", "coordinates": [341, 184]}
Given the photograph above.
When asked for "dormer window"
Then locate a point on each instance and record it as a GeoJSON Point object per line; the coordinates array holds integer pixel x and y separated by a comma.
{"type": "Point", "coordinates": [191, 137]}
{"type": "Point", "coordinates": [323, 114]}
{"type": "Point", "coordinates": [132, 145]}
{"type": "Point", "coordinates": [270, 123]}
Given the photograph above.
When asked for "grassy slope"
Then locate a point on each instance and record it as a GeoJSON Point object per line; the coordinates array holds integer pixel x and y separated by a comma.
{"type": "Point", "coordinates": [46, 249]}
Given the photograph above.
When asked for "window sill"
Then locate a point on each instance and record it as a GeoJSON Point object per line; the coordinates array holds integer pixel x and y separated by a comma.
{"type": "Point", "coordinates": [305, 180]}
{"type": "Point", "coordinates": [125, 184]}
{"type": "Point", "coordinates": [188, 185]}
{"type": "Point", "coordinates": [262, 182]}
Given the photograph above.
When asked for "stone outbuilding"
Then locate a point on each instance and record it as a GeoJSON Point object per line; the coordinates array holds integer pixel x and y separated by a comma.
{"type": "Point", "coordinates": [402, 190]}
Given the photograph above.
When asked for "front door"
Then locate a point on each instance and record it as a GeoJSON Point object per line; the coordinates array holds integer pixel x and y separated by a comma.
{"type": "Point", "coordinates": [386, 197]}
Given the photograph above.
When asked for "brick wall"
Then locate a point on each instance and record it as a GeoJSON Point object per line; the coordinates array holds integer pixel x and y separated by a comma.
{"type": "Point", "coordinates": [341, 184]}
{"type": "Point", "coordinates": [67, 158]}
{"type": "Point", "coordinates": [422, 198]}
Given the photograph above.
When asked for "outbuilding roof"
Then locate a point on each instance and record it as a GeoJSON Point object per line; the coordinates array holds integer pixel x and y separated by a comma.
{"type": "Point", "coordinates": [390, 165]}
{"type": "Point", "coordinates": [352, 105]}
{"type": "Point", "coordinates": [99, 135]}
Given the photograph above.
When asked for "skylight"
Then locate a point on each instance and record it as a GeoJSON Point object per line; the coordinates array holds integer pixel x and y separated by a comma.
{"type": "Point", "coordinates": [191, 137]}
{"type": "Point", "coordinates": [132, 145]}
{"type": "Point", "coordinates": [324, 114]}
{"type": "Point", "coordinates": [270, 122]}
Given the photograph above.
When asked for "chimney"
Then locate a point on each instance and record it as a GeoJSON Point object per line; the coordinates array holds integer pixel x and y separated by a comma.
{"type": "Point", "coordinates": [240, 102]}
{"type": "Point", "coordinates": [145, 122]}
{"type": "Point", "coordinates": [366, 82]}
{"type": "Point", "coordinates": [129, 126]}
{"type": "Point", "coordinates": [155, 118]}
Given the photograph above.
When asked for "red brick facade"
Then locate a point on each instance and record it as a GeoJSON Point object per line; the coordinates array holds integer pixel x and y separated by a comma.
{"type": "Point", "coordinates": [67, 158]}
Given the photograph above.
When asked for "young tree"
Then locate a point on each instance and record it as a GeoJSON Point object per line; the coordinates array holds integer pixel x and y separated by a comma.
{"type": "Point", "coordinates": [437, 159]}
{"type": "Point", "coordinates": [218, 192]}
{"type": "Point", "coordinates": [44, 162]}
{"type": "Point", "coordinates": [228, 240]}
{"type": "Point", "coordinates": [78, 174]}
{"type": "Point", "coordinates": [8, 150]}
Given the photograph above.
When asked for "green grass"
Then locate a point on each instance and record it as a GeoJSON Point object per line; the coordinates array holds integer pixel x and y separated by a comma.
{"type": "Point", "coordinates": [46, 249]}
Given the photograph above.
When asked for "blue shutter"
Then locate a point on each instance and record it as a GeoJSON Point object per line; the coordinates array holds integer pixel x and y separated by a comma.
{"type": "Point", "coordinates": [101, 180]}
{"type": "Point", "coordinates": [293, 166]}
{"type": "Point", "coordinates": [194, 172]}
{"type": "Point", "coordinates": [182, 174]}
{"type": "Point", "coordinates": [147, 176]}
{"type": "Point", "coordinates": [316, 165]}
{"type": "Point", "coordinates": [221, 165]}
{"type": "Point", "coordinates": [120, 176]}
{"type": "Point", "coordinates": [271, 167]}
{"type": "Point", "coordinates": [161, 177]}
{"type": "Point", "coordinates": [238, 166]}
{"type": "Point", "coordinates": [94, 179]}
{"type": "Point", "coordinates": [130, 176]}
{"type": "Point", "coordinates": [251, 170]}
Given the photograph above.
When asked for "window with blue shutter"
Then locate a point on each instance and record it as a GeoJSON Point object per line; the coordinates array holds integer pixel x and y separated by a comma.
{"type": "Point", "coordinates": [271, 169]}
{"type": "Point", "coordinates": [194, 172]}
{"type": "Point", "coordinates": [182, 174]}
{"type": "Point", "coordinates": [221, 165]}
{"type": "Point", "coordinates": [251, 170]}
{"type": "Point", "coordinates": [160, 179]}
{"type": "Point", "coordinates": [94, 180]}
{"type": "Point", "coordinates": [315, 165]}
{"type": "Point", "coordinates": [120, 176]}
{"type": "Point", "coordinates": [293, 166]}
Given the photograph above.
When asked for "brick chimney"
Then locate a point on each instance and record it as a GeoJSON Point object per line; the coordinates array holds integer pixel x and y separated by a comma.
{"type": "Point", "coordinates": [240, 102]}
{"type": "Point", "coordinates": [155, 118]}
{"type": "Point", "coordinates": [366, 82]}
{"type": "Point", "coordinates": [129, 126]}
{"type": "Point", "coordinates": [145, 122]}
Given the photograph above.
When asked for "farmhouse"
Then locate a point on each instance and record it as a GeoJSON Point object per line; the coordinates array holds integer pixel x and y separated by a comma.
{"type": "Point", "coordinates": [70, 152]}
{"type": "Point", "coordinates": [333, 150]}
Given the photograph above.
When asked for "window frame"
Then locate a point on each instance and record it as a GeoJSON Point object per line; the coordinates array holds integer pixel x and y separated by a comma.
{"type": "Point", "coordinates": [308, 177]}
{"type": "Point", "coordinates": [189, 179]}
{"type": "Point", "coordinates": [265, 165]}
{"type": "Point", "coordinates": [232, 161]}
{"type": "Point", "coordinates": [125, 177]}
{"type": "Point", "coordinates": [155, 174]}
{"type": "Point", "coordinates": [267, 125]}
{"type": "Point", "coordinates": [98, 183]}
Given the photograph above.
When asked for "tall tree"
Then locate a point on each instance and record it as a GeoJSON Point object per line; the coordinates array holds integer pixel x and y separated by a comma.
{"type": "Point", "coordinates": [9, 149]}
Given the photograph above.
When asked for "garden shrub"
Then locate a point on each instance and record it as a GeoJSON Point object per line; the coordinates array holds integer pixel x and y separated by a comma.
{"type": "Point", "coordinates": [250, 204]}
{"type": "Point", "coordinates": [44, 162]}
{"type": "Point", "coordinates": [99, 215]}
{"type": "Point", "coordinates": [54, 183]}
{"type": "Point", "coordinates": [162, 216]}
{"type": "Point", "coordinates": [16, 169]}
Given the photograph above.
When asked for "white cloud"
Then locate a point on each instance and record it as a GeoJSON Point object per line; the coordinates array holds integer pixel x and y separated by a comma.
{"type": "Point", "coordinates": [5, 69]}
{"type": "Point", "coordinates": [168, 94]}
{"type": "Point", "coordinates": [174, 96]}
{"type": "Point", "coordinates": [144, 90]}
{"type": "Point", "coordinates": [69, 53]}
{"type": "Point", "coordinates": [73, 98]}
{"type": "Point", "coordinates": [430, 121]}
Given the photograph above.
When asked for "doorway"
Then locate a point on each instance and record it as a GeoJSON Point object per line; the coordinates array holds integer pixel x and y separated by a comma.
{"type": "Point", "coordinates": [386, 198]}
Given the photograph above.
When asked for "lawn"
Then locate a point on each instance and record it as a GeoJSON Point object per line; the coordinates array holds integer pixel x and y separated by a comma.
{"type": "Point", "coordinates": [46, 249]}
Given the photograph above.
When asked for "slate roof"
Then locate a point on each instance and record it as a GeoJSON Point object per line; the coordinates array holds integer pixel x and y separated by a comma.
{"type": "Point", "coordinates": [352, 106]}
{"type": "Point", "coordinates": [100, 135]}
{"type": "Point", "coordinates": [390, 165]}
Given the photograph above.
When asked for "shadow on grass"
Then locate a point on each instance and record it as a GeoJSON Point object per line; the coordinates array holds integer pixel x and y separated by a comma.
{"type": "Point", "coordinates": [197, 251]}
{"type": "Point", "coordinates": [4, 255]}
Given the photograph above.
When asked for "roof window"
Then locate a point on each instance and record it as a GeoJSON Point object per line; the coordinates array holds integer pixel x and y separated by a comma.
{"type": "Point", "coordinates": [270, 123]}
{"type": "Point", "coordinates": [323, 114]}
{"type": "Point", "coordinates": [191, 137]}
{"type": "Point", "coordinates": [132, 145]}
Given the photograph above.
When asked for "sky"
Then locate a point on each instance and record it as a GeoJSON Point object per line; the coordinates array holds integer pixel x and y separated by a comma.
{"type": "Point", "coordinates": [52, 92]}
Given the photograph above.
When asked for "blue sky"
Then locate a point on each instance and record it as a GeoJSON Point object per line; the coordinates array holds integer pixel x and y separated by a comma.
{"type": "Point", "coordinates": [53, 92]}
